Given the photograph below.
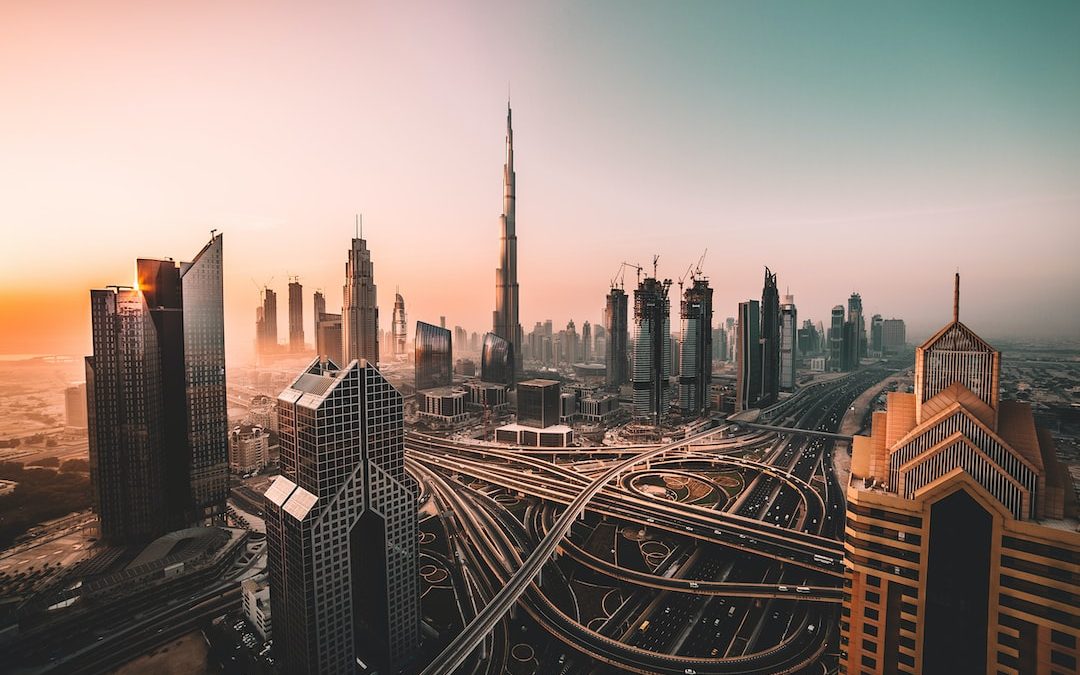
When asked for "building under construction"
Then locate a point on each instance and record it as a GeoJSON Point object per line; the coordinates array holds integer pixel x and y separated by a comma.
{"type": "Point", "coordinates": [651, 370]}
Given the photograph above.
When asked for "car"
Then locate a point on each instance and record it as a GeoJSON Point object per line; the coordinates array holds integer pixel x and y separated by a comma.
{"type": "Point", "coordinates": [690, 671]}
{"type": "Point", "coordinates": [650, 520]}
{"type": "Point", "coordinates": [731, 612]}
{"type": "Point", "coordinates": [717, 532]}
{"type": "Point", "coordinates": [693, 584]}
{"type": "Point", "coordinates": [802, 589]}
{"type": "Point", "coordinates": [688, 528]}
{"type": "Point", "coordinates": [782, 588]}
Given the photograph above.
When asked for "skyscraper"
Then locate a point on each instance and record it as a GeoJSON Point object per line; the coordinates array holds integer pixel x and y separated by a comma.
{"type": "Point", "coordinates": [855, 316]}
{"type": "Point", "coordinates": [341, 526]}
{"type": "Point", "coordinates": [770, 339]}
{"type": "Point", "coordinates": [651, 370]}
{"type": "Point", "coordinates": [748, 361]}
{"type": "Point", "coordinates": [360, 312]}
{"type": "Point", "coordinates": [615, 316]}
{"type": "Point", "coordinates": [961, 535]}
{"type": "Point", "coordinates": [893, 334]}
{"type": "Point", "coordinates": [296, 316]}
{"type": "Point", "coordinates": [156, 398]}
{"type": "Point", "coordinates": [788, 343]}
{"type": "Point", "coordinates": [876, 324]}
{"type": "Point", "coordinates": [695, 367]}
{"type": "Point", "coordinates": [266, 340]}
{"type": "Point", "coordinates": [433, 359]}
{"type": "Point", "coordinates": [836, 339]}
{"type": "Point", "coordinates": [399, 328]}
{"type": "Point", "coordinates": [318, 306]}
{"type": "Point", "coordinates": [586, 342]}
{"type": "Point", "coordinates": [329, 342]}
{"type": "Point", "coordinates": [505, 319]}
{"type": "Point", "coordinates": [573, 344]}
{"type": "Point", "coordinates": [496, 360]}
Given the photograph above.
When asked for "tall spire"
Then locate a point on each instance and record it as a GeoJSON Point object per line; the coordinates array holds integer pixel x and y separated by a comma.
{"type": "Point", "coordinates": [956, 298]}
{"type": "Point", "coordinates": [505, 317]}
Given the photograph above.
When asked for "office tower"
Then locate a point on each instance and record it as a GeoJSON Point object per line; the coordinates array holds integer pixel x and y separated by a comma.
{"type": "Point", "coordinates": [360, 313]}
{"type": "Point", "coordinates": [586, 342]}
{"type": "Point", "coordinates": [615, 315]}
{"type": "Point", "coordinates": [836, 339]}
{"type": "Point", "coordinates": [855, 316]}
{"type": "Point", "coordinates": [496, 360]}
{"type": "Point", "coordinates": [876, 323]}
{"type": "Point", "coordinates": [156, 398]}
{"type": "Point", "coordinates": [651, 370]}
{"type": "Point", "coordinates": [849, 358]}
{"type": "Point", "coordinates": [319, 307]}
{"type": "Point", "coordinates": [329, 339]}
{"type": "Point", "coordinates": [748, 361]}
{"type": "Point", "coordinates": [341, 527]}
{"type": "Point", "coordinates": [676, 354]}
{"type": "Point", "coordinates": [695, 368]}
{"type": "Point", "coordinates": [398, 326]}
{"type": "Point", "coordinates": [75, 406]}
{"type": "Point", "coordinates": [505, 316]}
{"type": "Point", "coordinates": [961, 537]}
{"type": "Point", "coordinates": [788, 343]}
{"type": "Point", "coordinates": [296, 316]}
{"type": "Point", "coordinates": [732, 338]}
{"type": "Point", "coordinates": [893, 335]}
{"type": "Point", "coordinates": [573, 343]}
{"type": "Point", "coordinates": [770, 340]}
{"type": "Point", "coordinates": [809, 340]}
{"type": "Point", "coordinates": [538, 403]}
{"type": "Point", "coordinates": [249, 448]}
{"type": "Point", "coordinates": [266, 341]}
{"type": "Point", "coordinates": [433, 356]}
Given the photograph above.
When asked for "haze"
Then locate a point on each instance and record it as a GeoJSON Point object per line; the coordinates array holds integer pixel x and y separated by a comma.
{"type": "Point", "coordinates": [819, 139]}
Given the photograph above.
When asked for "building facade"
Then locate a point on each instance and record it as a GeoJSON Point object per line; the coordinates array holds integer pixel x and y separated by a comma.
{"type": "Point", "coordinates": [266, 340]}
{"type": "Point", "coordinates": [836, 340]}
{"type": "Point", "coordinates": [770, 340]}
{"type": "Point", "coordinates": [75, 406]}
{"type": "Point", "coordinates": [318, 307]}
{"type": "Point", "coordinates": [893, 335]}
{"type": "Point", "coordinates": [497, 360]}
{"type": "Point", "coordinates": [296, 316]}
{"type": "Point", "coordinates": [399, 327]}
{"type": "Point", "coordinates": [748, 362]}
{"type": "Point", "coordinates": [789, 343]}
{"type": "Point", "coordinates": [433, 356]}
{"type": "Point", "coordinates": [961, 536]}
{"type": "Point", "coordinates": [538, 403]}
{"type": "Point", "coordinates": [249, 448]}
{"type": "Point", "coordinates": [618, 335]}
{"type": "Point", "coordinates": [329, 339]}
{"type": "Point", "coordinates": [695, 366]}
{"type": "Point", "coordinates": [505, 321]}
{"type": "Point", "coordinates": [651, 371]}
{"type": "Point", "coordinates": [341, 526]}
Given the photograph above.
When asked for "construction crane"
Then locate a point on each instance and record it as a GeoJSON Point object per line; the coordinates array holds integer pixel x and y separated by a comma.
{"type": "Point", "coordinates": [700, 262]}
{"type": "Point", "coordinates": [622, 269]}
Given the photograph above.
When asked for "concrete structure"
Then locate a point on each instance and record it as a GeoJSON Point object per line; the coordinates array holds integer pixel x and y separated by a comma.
{"type": "Point", "coordinates": [748, 363]}
{"type": "Point", "coordinates": [505, 322]}
{"type": "Point", "coordinates": [256, 603]}
{"type": "Point", "coordinates": [296, 316]}
{"type": "Point", "coordinates": [555, 436]}
{"type": "Point", "coordinates": [156, 407]}
{"type": "Point", "coordinates": [360, 311]}
{"type": "Point", "coordinates": [538, 403]}
{"type": "Point", "coordinates": [893, 335]}
{"type": "Point", "coordinates": [651, 370]}
{"type": "Point", "coordinates": [961, 539]}
{"type": "Point", "coordinates": [615, 324]}
{"type": "Point", "coordinates": [695, 367]}
{"type": "Point", "coordinates": [443, 407]}
{"type": "Point", "coordinates": [486, 396]}
{"type": "Point", "coordinates": [789, 345]}
{"type": "Point", "coordinates": [341, 526]}
{"type": "Point", "coordinates": [75, 406]}
{"type": "Point", "coordinates": [329, 339]}
{"type": "Point", "coordinates": [249, 448]}
{"type": "Point", "coordinates": [266, 341]}
{"type": "Point", "coordinates": [318, 307]}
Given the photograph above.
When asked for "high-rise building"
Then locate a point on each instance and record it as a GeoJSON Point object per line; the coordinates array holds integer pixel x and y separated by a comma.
{"type": "Point", "coordinates": [156, 398]}
{"type": "Point", "coordinates": [433, 356]}
{"type": "Point", "coordinates": [573, 343]}
{"type": "Point", "coordinates": [695, 367]}
{"type": "Point", "coordinates": [748, 361]}
{"type": "Point", "coordinates": [538, 403]}
{"type": "Point", "coordinates": [615, 317]}
{"type": "Point", "coordinates": [770, 339]}
{"type": "Point", "coordinates": [849, 358]}
{"type": "Point", "coordinates": [249, 448]}
{"type": "Point", "coordinates": [961, 536]}
{"type": "Point", "coordinates": [893, 335]}
{"type": "Point", "coordinates": [505, 317]}
{"type": "Point", "coordinates": [399, 328]}
{"type": "Point", "coordinates": [496, 360]}
{"type": "Point", "coordinates": [341, 526]}
{"type": "Point", "coordinates": [586, 342]}
{"type": "Point", "coordinates": [809, 339]}
{"type": "Point", "coordinates": [75, 406]}
{"type": "Point", "coordinates": [836, 340]}
{"type": "Point", "coordinates": [360, 311]}
{"type": "Point", "coordinates": [732, 339]}
{"type": "Point", "coordinates": [266, 341]}
{"type": "Point", "coordinates": [329, 339]}
{"type": "Point", "coordinates": [296, 316]}
{"type": "Point", "coordinates": [876, 324]}
{"type": "Point", "coordinates": [788, 343]}
{"type": "Point", "coordinates": [855, 316]}
{"type": "Point", "coordinates": [651, 370]}
{"type": "Point", "coordinates": [318, 305]}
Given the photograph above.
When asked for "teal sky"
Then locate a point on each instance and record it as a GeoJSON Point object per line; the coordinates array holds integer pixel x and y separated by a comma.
{"type": "Point", "coordinates": [848, 145]}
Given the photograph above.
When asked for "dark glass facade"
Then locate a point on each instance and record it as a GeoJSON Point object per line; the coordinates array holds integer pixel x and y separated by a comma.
{"type": "Point", "coordinates": [695, 372]}
{"type": "Point", "coordinates": [770, 340]}
{"type": "Point", "coordinates": [748, 356]}
{"type": "Point", "coordinates": [618, 335]}
{"type": "Point", "coordinates": [538, 403]}
{"type": "Point", "coordinates": [497, 360]}
{"type": "Point", "coordinates": [434, 358]}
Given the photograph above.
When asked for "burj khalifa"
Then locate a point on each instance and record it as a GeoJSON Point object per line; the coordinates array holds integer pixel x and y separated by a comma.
{"type": "Point", "coordinates": [506, 323]}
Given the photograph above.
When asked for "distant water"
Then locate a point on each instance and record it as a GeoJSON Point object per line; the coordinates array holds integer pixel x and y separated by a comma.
{"type": "Point", "coordinates": [31, 357]}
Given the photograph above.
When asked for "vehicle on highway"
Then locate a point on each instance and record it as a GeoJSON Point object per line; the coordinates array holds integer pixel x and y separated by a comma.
{"type": "Point", "coordinates": [782, 588]}
{"type": "Point", "coordinates": [802, 589]}
{"type": "Point", "coordinates": [643, 627]}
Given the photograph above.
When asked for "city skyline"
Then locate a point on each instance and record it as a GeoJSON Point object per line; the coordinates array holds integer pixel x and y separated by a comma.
{"type": "Point", "coordinates": [718, 165]}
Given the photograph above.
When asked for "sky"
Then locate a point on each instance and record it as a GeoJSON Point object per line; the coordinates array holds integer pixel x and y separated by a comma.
{"type": "Point", "coordinates": [849, 146]}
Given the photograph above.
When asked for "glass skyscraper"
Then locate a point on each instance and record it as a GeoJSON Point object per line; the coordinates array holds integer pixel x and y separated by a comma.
{"type": "Point", "coordinates": [434, 359]}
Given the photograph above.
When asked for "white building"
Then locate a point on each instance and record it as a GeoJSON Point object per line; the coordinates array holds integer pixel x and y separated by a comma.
{"type": "Point", "coordinates": [249, 448]}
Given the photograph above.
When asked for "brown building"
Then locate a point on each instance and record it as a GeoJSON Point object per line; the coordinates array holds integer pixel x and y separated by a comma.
{"type": "Point", "coordinates": [961, 541]}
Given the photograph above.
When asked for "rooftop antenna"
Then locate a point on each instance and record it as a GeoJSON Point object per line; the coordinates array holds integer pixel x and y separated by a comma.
{"type": "Point", "coordinates": [956, 297]}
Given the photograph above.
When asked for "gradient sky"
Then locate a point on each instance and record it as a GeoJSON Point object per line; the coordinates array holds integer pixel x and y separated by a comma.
{"type": "Point", "coordinates": [847, 145]}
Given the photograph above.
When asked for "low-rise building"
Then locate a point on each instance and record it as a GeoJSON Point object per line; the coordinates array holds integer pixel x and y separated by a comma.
{"type": "Point", "coordinates": [249, 448]}
{"type": "Point", "coordinates": [256, 599]}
